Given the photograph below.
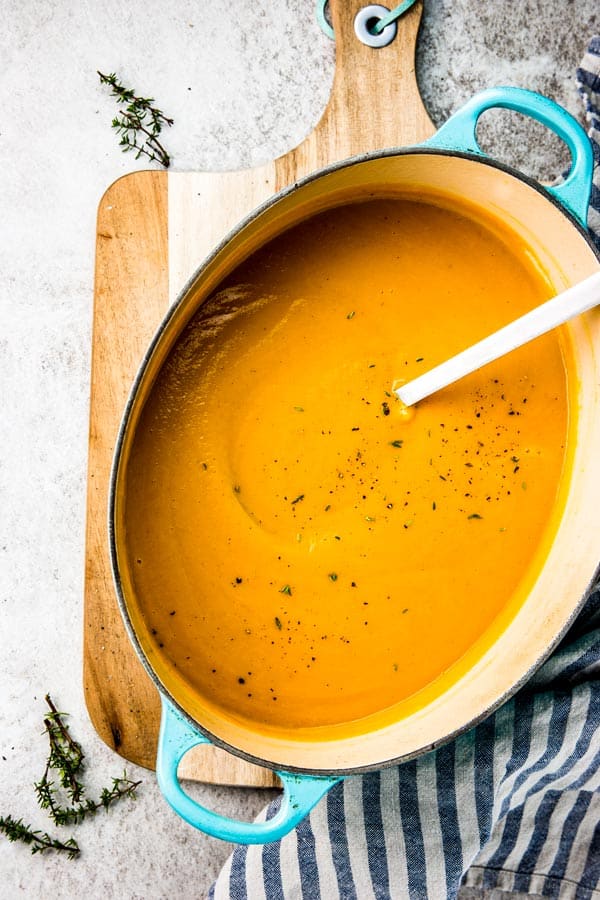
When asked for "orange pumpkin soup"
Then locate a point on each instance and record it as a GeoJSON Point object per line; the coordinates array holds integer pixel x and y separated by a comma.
{"type": "Point", "coordinates": [304, 553]}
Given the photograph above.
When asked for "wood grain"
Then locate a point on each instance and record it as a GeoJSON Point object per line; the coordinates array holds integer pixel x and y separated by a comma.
{"type": "Point", "coordinates": [131, 296]}
{"type": "Point", "coordinates": [153, 231]}
{"type": "Point", "coordinates": [227, 196]}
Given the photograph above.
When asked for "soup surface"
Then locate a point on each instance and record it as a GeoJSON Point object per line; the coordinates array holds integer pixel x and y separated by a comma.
{"type": "Point", "coordinates": [304, 551]}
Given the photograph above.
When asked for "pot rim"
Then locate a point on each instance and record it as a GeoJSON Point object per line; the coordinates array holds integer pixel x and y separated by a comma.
{"type": "Point", "coordinates": [163, 328]}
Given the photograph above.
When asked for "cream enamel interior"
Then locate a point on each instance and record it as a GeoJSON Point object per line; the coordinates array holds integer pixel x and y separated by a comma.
{"type": "Point", "coordinates": [566, 257]}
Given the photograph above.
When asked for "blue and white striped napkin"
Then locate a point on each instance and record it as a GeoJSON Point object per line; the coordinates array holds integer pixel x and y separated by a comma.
{"type": "Point", "coordinates": [513, 804]}
{"type": "Point", "coordinates": [588, 85]}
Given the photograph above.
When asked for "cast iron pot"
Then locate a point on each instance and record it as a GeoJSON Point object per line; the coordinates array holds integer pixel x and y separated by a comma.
{"type": "Point", "coordinates": [551, 221]}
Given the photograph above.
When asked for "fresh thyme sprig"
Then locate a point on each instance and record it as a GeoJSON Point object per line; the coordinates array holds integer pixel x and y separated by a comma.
{"type": "Point", "coordinates": [66, 755]}
{"type": "Point", "coordinates": [66, 758]}
{"type": "Point", "coordinates": [74, 815]}
{"type": "Point", "coordinates": [40, 842]}
{"type": "Point", "coordinates": [139, 123]}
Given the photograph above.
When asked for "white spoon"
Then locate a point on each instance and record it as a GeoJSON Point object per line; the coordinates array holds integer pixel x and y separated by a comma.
{"type": "Point", "coordinates": [543, 318]}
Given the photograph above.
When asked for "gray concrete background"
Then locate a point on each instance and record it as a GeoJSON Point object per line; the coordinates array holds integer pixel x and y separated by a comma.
{"type": "Point", "coordinates": [245, 81]}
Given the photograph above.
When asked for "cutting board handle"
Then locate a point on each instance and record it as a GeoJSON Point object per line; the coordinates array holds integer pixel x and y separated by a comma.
{"type": "Point", "coordinates": [375, 100]}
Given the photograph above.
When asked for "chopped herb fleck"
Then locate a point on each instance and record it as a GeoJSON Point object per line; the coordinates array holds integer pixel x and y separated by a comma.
{"type": "Point", "coordinates": [278, 622]}
{"type": "Point", "coordinates": [237, 488]}
{"type": "Point", "coordinates": [286, 589]}
{"type": "Point", "coordinates": [299, 408]}
{"type": "Point", "coordinates": [419, 359]}
{"type": "Point", "coordinates": [333, 576]}
{"type": "Point", "coordinates": [396, 443]}
{"type": "Point", "coordinates": [385, 408]}
{"type": "Point", "coordinates": [351, 314]}
{"type": "Point", "coordinates": [298, 499]}
{"type": "Point", "coordinates": [369, 518]}
{"type": "Point", "coordinates": [474, 516]}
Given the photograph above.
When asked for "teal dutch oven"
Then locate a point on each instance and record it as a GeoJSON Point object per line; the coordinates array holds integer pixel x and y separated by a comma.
{"type": "Point", "coordinates": [551, 221]}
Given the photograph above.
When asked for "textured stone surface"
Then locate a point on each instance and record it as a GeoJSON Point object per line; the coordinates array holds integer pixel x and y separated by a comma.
{"type": "Point", "coordinates": [245, 82]}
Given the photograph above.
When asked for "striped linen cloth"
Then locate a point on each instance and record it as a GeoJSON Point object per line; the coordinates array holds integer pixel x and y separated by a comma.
{"type": "Point", "coordinates": [513, 804]}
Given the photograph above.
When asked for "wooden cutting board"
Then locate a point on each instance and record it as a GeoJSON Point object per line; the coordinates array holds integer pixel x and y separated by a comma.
{"type": "Point", "coordinates": [154, 229]}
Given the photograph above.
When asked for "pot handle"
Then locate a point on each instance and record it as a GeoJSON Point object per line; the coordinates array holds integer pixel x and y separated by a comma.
{"type": "Point", "coordinates": [300, 792]}
{"type": "Point", "coordinates": [459, 133]}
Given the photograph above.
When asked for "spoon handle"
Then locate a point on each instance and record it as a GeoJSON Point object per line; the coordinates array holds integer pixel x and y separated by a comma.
{"type": "Point", "coordinates": [543, 318]}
